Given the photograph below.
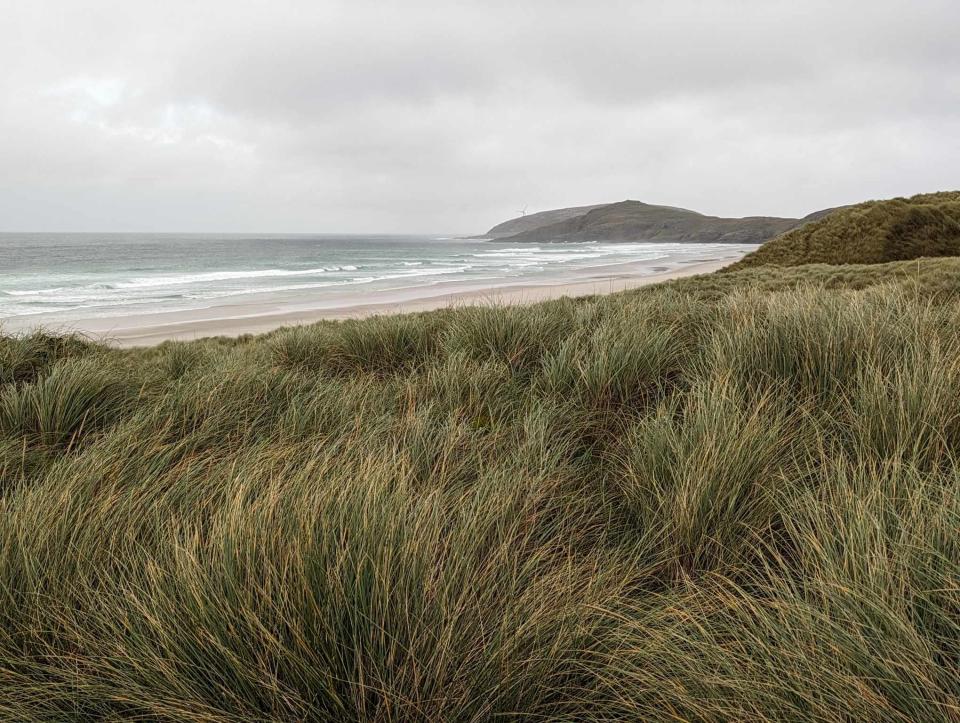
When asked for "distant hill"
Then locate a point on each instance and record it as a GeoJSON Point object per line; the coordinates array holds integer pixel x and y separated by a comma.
{"type": "Point", "coordinates": [637, 221]}
{"type": "Point", "coordinates": [536, 220]}
{"type": "Point", "coordinates": [870, 233]}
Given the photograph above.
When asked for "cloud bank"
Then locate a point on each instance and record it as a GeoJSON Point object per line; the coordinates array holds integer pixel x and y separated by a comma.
{"type": "Point", "coordinates": [451, 116]}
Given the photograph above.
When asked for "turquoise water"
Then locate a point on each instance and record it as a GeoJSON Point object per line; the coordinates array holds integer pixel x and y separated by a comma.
{"type": "Point", "coordinates": [58, 277]}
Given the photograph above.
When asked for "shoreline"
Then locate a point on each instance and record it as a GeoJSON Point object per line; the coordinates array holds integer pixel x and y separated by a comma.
{"type": "Point", "coordinates": [267, 314]}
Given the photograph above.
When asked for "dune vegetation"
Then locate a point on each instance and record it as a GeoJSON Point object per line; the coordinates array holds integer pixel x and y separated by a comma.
{"type": "Point", "coordinates": [731, 497]}
{"type": "Point", "coordinates": [875, 232]}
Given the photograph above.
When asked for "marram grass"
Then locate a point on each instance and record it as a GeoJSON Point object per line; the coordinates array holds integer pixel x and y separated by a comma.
{"type": "Point", "coordinates": [735, 497]}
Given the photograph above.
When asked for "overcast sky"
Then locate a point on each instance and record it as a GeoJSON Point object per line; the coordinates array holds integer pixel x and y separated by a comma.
{"type": "Point", "coordinates": [242, 115]}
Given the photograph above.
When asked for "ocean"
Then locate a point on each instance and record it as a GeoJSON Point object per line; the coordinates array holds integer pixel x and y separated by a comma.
{"type": "Point", "coordinates": [56, 278]}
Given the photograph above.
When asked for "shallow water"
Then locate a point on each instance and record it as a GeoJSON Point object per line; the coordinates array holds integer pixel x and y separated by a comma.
{"type": "Point", "coordinates": [60, 277]}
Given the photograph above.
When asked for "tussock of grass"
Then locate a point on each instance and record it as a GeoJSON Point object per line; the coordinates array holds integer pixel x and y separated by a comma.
{"type": "Point", "coordinates": [516, 336]}
{"type": "Point", "coordinates": [728, 498]}
{"type": "Point", "coordinates": [24, 358]}
{"type": "Point", "coordinates": [698, 477]}
{"type": "Point", "coordinates": [382, 345]}
{"type": "Point", "coordinates": [73, 398]}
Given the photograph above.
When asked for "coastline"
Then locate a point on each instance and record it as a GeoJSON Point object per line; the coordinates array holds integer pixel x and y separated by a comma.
{"type": "Point", "coordinates": [274, 310]}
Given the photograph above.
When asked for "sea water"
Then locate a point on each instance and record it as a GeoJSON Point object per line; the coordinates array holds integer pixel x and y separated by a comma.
{"type": "Point", "coordinates": [59, 277]}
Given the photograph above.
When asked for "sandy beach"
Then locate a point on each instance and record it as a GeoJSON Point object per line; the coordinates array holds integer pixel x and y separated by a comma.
{"type": "Point", "coordinates": [265, 312]}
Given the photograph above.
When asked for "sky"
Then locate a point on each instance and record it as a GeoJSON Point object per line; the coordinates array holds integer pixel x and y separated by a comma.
{"type": "Point", "coordinates": [448, 116]}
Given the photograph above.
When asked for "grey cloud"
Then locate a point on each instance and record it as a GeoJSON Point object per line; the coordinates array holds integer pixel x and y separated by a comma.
{"type": "Point", "coordinates": [449, 116]}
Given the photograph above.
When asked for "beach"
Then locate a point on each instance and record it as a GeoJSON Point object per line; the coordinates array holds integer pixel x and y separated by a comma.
{"type": "Point", "coordinates": [264, 312]}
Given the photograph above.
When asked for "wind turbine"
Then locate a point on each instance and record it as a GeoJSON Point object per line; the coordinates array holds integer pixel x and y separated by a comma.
{"type": "Point", "coordinates": [524, 211]}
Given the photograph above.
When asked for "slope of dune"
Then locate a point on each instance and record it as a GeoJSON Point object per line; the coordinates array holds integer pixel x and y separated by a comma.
{"type": "Point", "coordinates": [870, 233]}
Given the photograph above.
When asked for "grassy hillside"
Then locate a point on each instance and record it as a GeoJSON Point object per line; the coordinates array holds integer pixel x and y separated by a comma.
{"type": "Point", "coordinates": [870, 233]}
{"type": "Point", "coordinates": [536, 220]}
{"type": "Point", "coordinates": [636, 221]}
{"type": "Point", "coordinates": [734, 497]}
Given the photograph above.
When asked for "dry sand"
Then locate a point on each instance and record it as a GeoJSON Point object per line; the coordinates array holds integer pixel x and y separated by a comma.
{"type": "Point", "coordinates": [270, 311]}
